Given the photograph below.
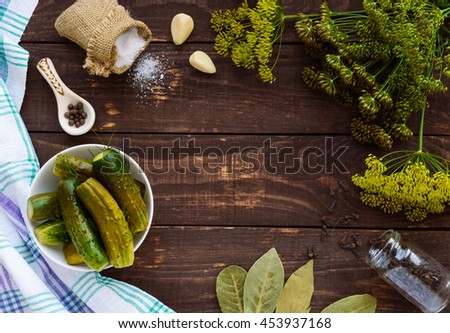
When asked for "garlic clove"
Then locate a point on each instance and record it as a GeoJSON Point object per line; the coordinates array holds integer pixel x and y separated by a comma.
{"type": "Point", "coordinates": [181, 27]}
{"type": "Point", "coordinates": [201, 61]}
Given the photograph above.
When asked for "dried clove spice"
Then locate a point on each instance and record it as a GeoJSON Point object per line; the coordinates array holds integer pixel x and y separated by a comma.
{"type": "Point", "coordinates": [311, 253]}
{"type": "Point", "coordinates": [332, 192]}
{"type": "Point", "coordinates": [411, 271]}
{"type": "Point", "coordinates": [324, 233]}
{"type": "Point", "coordinates": [353, 244]}
{"type": "Point", "coordinates": [344, 220]}
{"type": "Point", "coordinates": [422, 271]}
{"type": "Point", "coordinates": [339, 220]}
{"type": "Point", "coordinates": [324, 221]}
{"type": "Point", "coordinates": [332, 206]}
{"type": "Point", "coordinates": [352, 216]}
{"type": "Point", "coordinates": [356, 240]}
{"type": "Point", "coordinates": [343, 185]}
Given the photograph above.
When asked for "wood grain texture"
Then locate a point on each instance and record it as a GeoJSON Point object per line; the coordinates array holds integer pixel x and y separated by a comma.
{"type": "Point", "coordinates": [187, 101]}
{"type": "Point", "coordinates": [158, 15]}
{"type": "Point", "coordinates": [249, 180]}
{"type": "Point", "coordinates": [236, 166]}
{"type": "Point", "coordinates": [179, 265]}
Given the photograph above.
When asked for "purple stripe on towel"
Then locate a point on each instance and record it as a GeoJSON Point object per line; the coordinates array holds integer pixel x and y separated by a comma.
{"type": "Point", "coordinates": [5, 281]}
{"type": "Point", "coordinates": [13, 210]}
{"type": "Point", "coordinates": [8, 288]}
{"type": "Point", "coordinates": [70, 300]}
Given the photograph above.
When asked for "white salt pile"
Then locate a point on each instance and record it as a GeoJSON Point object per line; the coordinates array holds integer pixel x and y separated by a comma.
{"type": "Point", "coordinates": [150, 75]}
{"type": "Point", "coordinates": [128, 46]}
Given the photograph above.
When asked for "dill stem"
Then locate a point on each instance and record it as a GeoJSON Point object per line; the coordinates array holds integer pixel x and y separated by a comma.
{"type": "Point", "coordinates": [290, 17]}
{"type": "Point", "coordinates": [422, 121]}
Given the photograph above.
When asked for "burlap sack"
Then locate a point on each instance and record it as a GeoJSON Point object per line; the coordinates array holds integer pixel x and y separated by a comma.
{"type": "Point", "coordinates": [95, 25]}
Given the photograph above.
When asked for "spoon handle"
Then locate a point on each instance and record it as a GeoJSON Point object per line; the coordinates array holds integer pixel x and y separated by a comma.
{"type": "Point", "coordinates": [47, 69]}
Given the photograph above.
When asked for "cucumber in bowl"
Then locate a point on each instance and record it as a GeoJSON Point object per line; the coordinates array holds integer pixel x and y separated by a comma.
{"type": "Point", "coordinates": [46, 181]}
{"type": "Point", "coordinates": [113, 171]}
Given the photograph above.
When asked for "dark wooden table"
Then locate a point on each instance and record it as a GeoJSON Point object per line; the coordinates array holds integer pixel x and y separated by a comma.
{"type": "Point", "coordinates": [219, 151]}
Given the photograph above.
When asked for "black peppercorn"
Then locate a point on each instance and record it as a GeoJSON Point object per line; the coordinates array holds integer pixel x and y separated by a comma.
{"type": "Point", "coordinates": [76, 114]}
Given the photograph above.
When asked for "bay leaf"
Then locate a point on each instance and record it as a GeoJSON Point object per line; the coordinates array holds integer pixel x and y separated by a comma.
{"type": "Point", "coordinates": [263, 284]}
{"type": "Point", "coordinates": [364, 303]}
{"type": "Point", "coordinates": [298, 290]}
{"type": "Point", "coordinates": [230, 289]}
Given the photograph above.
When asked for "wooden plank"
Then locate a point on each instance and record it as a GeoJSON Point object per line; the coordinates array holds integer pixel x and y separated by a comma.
{"type": "Point", "coordinates": [158, 15]}
{"type": "Point", "coordinates": [250, 180]}
{"type": "Point", "coordinates": [244, 200]}
{"type": "Point", "coordinates": [187, 101]}
{"type": "Point", "coordinates": [179, 265]}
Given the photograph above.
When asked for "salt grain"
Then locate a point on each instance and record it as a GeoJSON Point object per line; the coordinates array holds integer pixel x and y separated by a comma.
{"type": "Point", "coordinates": [149, 75]}
{"type": "Point", "coordinates": [128, 46]}
{"type": "Point", "coordinates": [147, 71]}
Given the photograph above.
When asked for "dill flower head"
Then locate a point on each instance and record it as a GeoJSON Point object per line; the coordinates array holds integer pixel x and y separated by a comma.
{"type": "Point", "coordinates": [415, 183]}
{"type": "Point", "coordinates": [248, 35]}
{"type": "Point", "coordinates": [390, 56]}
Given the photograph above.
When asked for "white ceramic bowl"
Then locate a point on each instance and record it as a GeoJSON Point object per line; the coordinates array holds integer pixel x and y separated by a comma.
{"type": "Point", "coordinates": [46, 181]}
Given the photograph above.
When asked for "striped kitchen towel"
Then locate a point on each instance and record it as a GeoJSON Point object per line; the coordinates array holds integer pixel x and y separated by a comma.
{"type": "Point", "coordinates": [28, 283]}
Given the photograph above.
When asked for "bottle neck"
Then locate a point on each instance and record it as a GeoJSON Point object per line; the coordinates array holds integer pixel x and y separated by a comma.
{"type": "Point", "coordinates": [382, 249]}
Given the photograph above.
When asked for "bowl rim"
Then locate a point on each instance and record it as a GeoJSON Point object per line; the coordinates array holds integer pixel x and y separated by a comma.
{"type": "Point", "coordinates": [47, 168]}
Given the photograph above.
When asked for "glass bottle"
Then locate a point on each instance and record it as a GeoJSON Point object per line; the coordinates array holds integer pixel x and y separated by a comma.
{"type": "Point", "coordinates": [412, 272]}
